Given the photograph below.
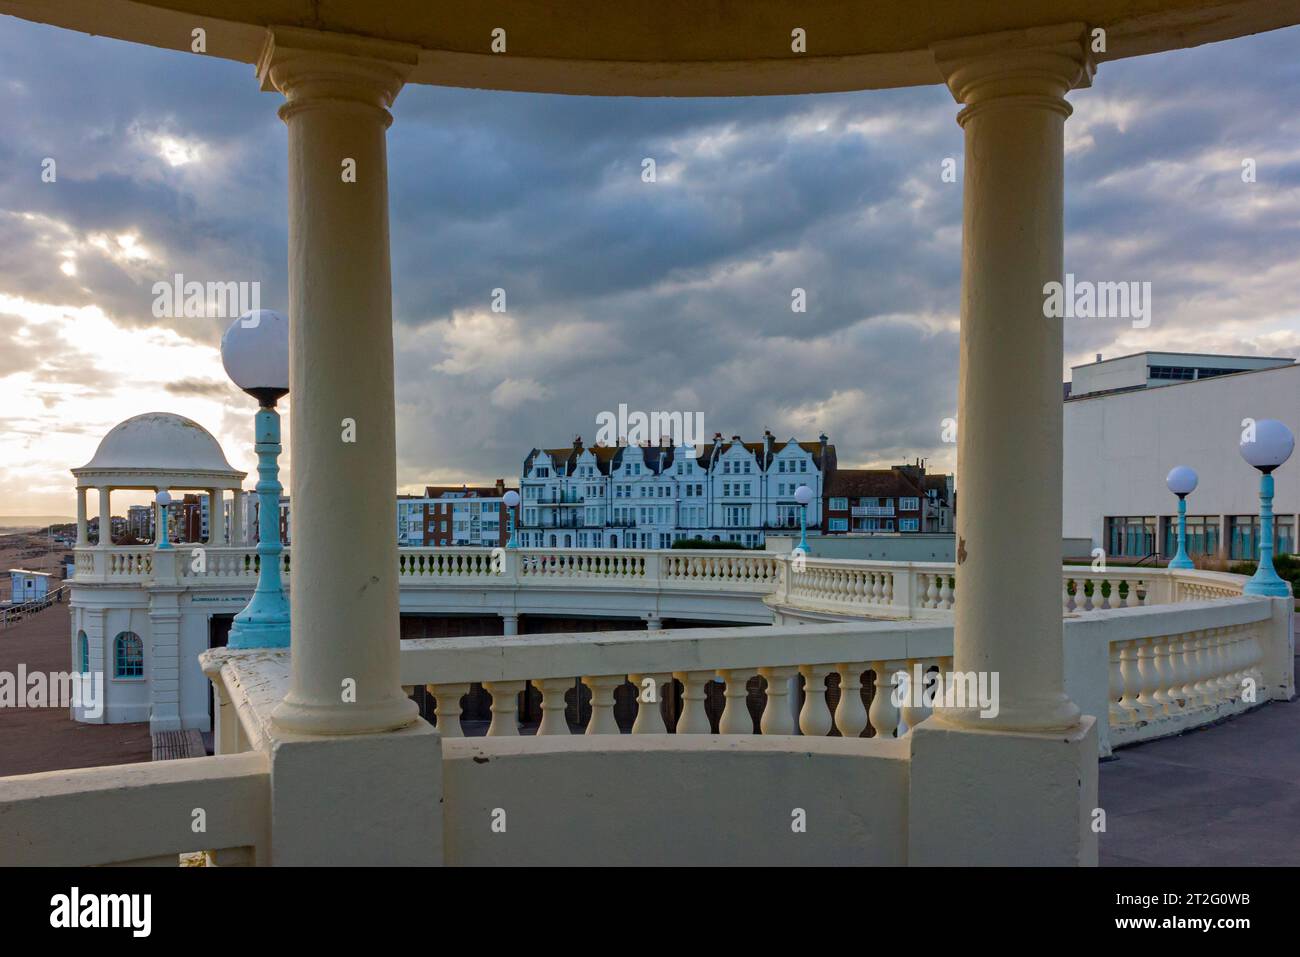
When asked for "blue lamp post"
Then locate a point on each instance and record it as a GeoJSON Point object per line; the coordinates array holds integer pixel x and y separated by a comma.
{"type": "Point", "coordinates": [1182, 482]}
{"type": "Point", "coordinates": [511, 499]}
{"type": "Point", "coordinates": [255, 352]}
{"type": "Point", "coordinates": [163, 499]}
{"type": "Point", "coordinates": [803, 495]}
{"type": "Point", "coordinates": [1268, 445]}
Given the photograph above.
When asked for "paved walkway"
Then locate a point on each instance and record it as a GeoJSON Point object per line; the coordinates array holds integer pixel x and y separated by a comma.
{"type": "Point", "coordinates": [1225, 795]}
{"type": "Point", "coordinates": [46, 739]}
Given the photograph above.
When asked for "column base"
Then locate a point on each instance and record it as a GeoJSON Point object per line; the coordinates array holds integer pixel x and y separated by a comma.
{"type": "Point", "coordinates": [258, 634]}
{"type": "Point", "coordinates": [389, 714]}
{"type": "Point", "coordinates": [361, 801]}
{"type": "Point", "coordinates": [986, 797]}
{"type": "Point", "coordinates": [1047, 713]}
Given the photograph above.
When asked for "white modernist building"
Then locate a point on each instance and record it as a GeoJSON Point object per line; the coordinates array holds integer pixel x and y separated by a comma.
{"type": "Point", "coordinates": [1129, 420]}
{"type": "Point", "coordinates": [653, 496]}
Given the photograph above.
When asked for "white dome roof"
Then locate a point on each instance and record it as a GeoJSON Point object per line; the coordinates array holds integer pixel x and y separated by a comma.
{"type": "Point", "coordinates": [159, 442]}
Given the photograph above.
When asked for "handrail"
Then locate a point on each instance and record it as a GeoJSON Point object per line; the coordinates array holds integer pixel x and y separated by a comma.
{"type": "Point", "coordinates": [31, 606]}
{"type": "Point", "coordinates": [140, 813]}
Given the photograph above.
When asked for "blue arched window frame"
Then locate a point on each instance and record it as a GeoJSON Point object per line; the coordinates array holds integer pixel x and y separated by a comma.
{"type": "Point", "coordinates": [128, 656]}
{"type": "Point", "coordinates": [83, 652]}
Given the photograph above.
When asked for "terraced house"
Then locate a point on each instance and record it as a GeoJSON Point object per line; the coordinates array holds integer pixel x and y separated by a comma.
{"type": "Point", "coordinates": [897, 499]}
{"type": "Point", "coordinates": [644, 496]}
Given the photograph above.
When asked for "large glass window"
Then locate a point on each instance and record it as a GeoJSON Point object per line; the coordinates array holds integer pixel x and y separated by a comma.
{"type": "Point", "coordinates": [1202, 535]}
{"type": "Point", "coordinates": [1284, 534]}
{"type": "Point", "coordinates": [1243, 537]}
{"type": "Point", "coordinates": [1131, 536]}
{"type": "Point", "coordinates": [128, 656]}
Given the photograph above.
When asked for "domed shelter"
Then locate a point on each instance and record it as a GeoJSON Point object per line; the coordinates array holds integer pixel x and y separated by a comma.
{"type": "Point", "coordinates": [156, 451]}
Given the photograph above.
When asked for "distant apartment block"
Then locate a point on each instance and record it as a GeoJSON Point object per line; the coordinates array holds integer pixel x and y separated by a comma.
{"type": "Point", "coordinates": [901, 499]}
{"type": "Point", "coordinates": [454, 515]}
{"type": "Point", "coordinates": [645, 496]}
{"type": "Point", "coordinates": [139, 522]}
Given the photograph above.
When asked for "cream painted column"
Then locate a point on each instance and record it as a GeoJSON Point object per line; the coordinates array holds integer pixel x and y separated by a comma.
{"type": "Point", "coordinates": [217, 517]}
{"type": "Point", "coordinates": [105, 517]}
{"type": "Point", "coordinates": [83, 534]}
{"type": "Point", "coordinates": [1008, 619]}
{"type": "Point", "coordinates": [344, 600]}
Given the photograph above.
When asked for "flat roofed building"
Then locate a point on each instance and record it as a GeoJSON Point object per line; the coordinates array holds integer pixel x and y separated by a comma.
{"type": "Point", "coordinates": [1121, 442]}
{"type": "Point", "coordinates": [1145, 370]}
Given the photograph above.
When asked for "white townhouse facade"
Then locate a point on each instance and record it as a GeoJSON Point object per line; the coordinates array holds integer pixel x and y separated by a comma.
{"type": "Point", "coordinates": [646, 496]}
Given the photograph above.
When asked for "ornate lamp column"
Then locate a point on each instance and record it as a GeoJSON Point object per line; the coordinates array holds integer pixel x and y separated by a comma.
{"type": "Point", "coordinates": [1182, 482]}
{"type": "Point", "coordinates": [1268, 445]}
{"type": "Point", "coordinates": [511, 500]}
{"type": "Point", "coordinates": [162, 500]}
{"type": "Point", "coordinates": [255, 352]}
{"type": "Point", "coordinates": [803, 495]}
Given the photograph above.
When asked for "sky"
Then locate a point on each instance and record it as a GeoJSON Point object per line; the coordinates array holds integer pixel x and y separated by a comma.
{"type": "Point", "coordinates": [668, 295]}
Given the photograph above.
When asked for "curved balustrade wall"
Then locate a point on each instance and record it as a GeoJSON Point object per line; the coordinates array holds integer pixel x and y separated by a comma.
{"type": "Point", "coordinates": [1183, 667]}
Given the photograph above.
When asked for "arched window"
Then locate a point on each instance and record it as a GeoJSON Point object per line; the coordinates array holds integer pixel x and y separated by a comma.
{"type": "Point", "coordinates": [83, 652]}
{"type": "Point", "coordinates": [128, 656]}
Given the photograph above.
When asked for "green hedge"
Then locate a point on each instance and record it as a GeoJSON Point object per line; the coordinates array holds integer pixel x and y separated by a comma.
{"type": "Point", "coordinates": [703, 543]}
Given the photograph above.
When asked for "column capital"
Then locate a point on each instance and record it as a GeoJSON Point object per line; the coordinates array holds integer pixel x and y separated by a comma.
{"type": "Point", "coordinates": [1037, 66]}
{"type": "Point", "coordinates": [314, 68]}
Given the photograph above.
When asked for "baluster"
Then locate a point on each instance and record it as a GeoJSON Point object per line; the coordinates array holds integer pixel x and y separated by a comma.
{"type": "Point", "coordinates": [887, 594]}
{"type": "Point", "coordinates": [931, 591]}
{"type": "Point", "coordinates": [1132, 679]}
{"type": "Point", "coordinates": [1186, 693]}
{"type": "Point", "coordinates": [914, 709]}
{"type": "Point", "coordinates": [815, 717]}
{"type": "Point", "coordinates": [447, 710]}
{"type": "Point", "coordinates": [1089, 588]}
{"type": "Point", "coordinates": [1254, 657]}
{"type": "Point", "coordinates": [1116, 714]}
{"type": "Point", "coordinates": [945, 592]}
{"type": "Point", "coordinates": [1122, 590]}
{"type": "Point", "coordinates": [735, 713]}
{"type": "Point", "coordinates": [1204, 665]}
{"type": "Point", "coordinates": [850, 715]}
{"type": "Point", "coordinates": [1233, 648]}
{"type": "Point", "coordinates": [553, 691]}
{"type": "Point", "coordinates": [1172, 663]}
{"type": "Point", "coordinates": [1067, 600]}
{"type": "Point", "coordinates": [1148, 679]}
{"type": "Point", "coordinates": [505, 707]}
{"type": "Point", "coordinates": [694, 719]}
{"type": "Point", "coordinates": [1217, 681]}
{"type": "Point", "coordinates": [777, 715]}
{"type": "Point", "coordinates": [602, 702]}
{"type": "Point", "coordinates": [884, 712]}
{"type": "Point", "coordinates": [1161, 677]}
{"type": "Point", "coordinates": [649, 714]}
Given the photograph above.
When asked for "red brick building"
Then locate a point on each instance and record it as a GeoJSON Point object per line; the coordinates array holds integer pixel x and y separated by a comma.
{"type": "Point", "coordinates": [454, 515]}
{"type": "Point", "coordinates": [901, 499]}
